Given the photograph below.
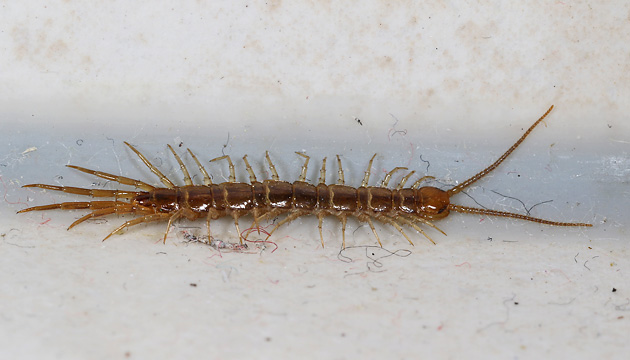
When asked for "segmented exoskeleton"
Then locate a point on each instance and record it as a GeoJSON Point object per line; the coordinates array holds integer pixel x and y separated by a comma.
{"type": "Point", "coordinates": [413, 206]}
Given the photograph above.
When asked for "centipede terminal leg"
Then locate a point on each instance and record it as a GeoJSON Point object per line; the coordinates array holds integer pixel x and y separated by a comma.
{"type": "Point", "coordinates": [121, 194]}
{"type": "Point", "coordinates": [119, 179]}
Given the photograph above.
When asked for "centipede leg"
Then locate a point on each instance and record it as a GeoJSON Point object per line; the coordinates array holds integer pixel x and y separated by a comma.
{"type": "Point", "coordinates": [419, 181]}
{"type": "Point", "coordinates": [389, 175]}
{"type": "Point", "coordinates": [426, 222]}
{"type": "Point", "coordinates": [238, 228]}
{"type": "Point", "coordinates": [174, 216]}
{"type": "Point", "coordinates": [88, 192]}
{"type": "Point", "coordinates": [418, 229]}
{"type": "Point", "coordinates": [393, 223]}
{"type": "Point", "coordinates": [292, 216]}
{"type": "Point", "coordinates": [93, 214]}
{"type": "Point", "coordinates": [208, 227]}
{"type": "Point", "coordinates": [144, 219]}
{"type": "Point", "coordinates": [341, 180]}
{"type": "Point", "coordinates": [304, 167]}
{"type": "Point", "coordinates": [369, 221]}
{"type": "Point", "coordinates": [404, 180]}
{"type": "Point", "coordinates": [269, 214]}
{"type": "Point", "coordinates": [322, 172]}
{"type": "Point", "coordinates": [206, 178]}
{"type": "Point", "coordinates": [320, 217]}
{"type": "Point", "coordinates": [274, 173]}
{"type": "Point", "coordinates": [343, 219]}
{"type": "Point", "coordinates": [250, 171]}
{"type": "Point", "coordinates": [187, 179]}
{"type": "Point", "coordinates": [120, 208]}
{"type": "Point", "coordinates": [231, 167]}
{"type": "Point", "coordinates": [74, 205]}
{"type": "Point", "coordinates": [119, 179]}
{"type": "Point", "coordinates": [366, 177]}
{"type": "Point", "coordinates": [255, 224]}
{"type": "Point", "coordinates": [166, 181]}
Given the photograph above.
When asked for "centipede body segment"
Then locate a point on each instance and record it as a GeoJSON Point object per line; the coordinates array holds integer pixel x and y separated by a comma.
{"type": "Point", "coordinates": [411, 207]}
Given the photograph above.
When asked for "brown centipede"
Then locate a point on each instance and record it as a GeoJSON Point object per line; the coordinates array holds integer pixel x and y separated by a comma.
{"type": "Point", "coordinates": [401, 206]}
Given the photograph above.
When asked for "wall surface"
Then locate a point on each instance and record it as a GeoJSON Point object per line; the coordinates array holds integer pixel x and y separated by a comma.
{"type": "Point", "coordinates": [440, 88]}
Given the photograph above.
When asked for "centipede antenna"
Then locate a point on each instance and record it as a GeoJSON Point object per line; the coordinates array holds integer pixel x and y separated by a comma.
{"type": "Point", "coordinates": [168, 183]}
{"type": "Point", "coordinates": [206, 178]}
{"type": "Point", "coordinates": [304, 167]}
{"type": "Point", "coordinates": [366, 178]}
{"type": "Point", "coordinates": [341, 180]}
{"type": "Point", "coordinates": [119, 179]}
{"type": "Point", "coordinates": [274, 173]}
{"type": "Point", "coordinates": [404, 180]}
{"type": "Point", "coordinates": [494, 165]}
{"type": "Point", "coordinates": [232, 173]}
{"type": "Point", "coordinates": [187, 179]}
{"type": "Point", "coordinates": [470, 210]}
{"type": "Point", "coordinates": [417, 183]}
{"type": "Point", "coordinates": [252, 176]}
{"type": "Point", "coordinates": [322, 174]}
{"type": "Point", "coordinates": [389, 175]}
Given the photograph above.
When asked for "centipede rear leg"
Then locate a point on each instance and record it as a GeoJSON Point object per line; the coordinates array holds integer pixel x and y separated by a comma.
{"type": "Point", "coordinates": [140, 220]}
{"type": "Point", "coordinates": [119, 179]}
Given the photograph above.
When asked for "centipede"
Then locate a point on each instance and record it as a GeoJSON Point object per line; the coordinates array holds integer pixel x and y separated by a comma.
{"type": "Point", "coordinates": [416, 207]}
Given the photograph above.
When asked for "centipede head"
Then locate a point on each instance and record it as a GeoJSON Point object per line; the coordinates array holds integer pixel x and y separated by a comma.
{"type": "Point", "coordinates": [432, 202]}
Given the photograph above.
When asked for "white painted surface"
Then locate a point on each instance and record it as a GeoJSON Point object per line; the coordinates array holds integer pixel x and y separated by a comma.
{"type": "Point", "coordinates": [455, 84]}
